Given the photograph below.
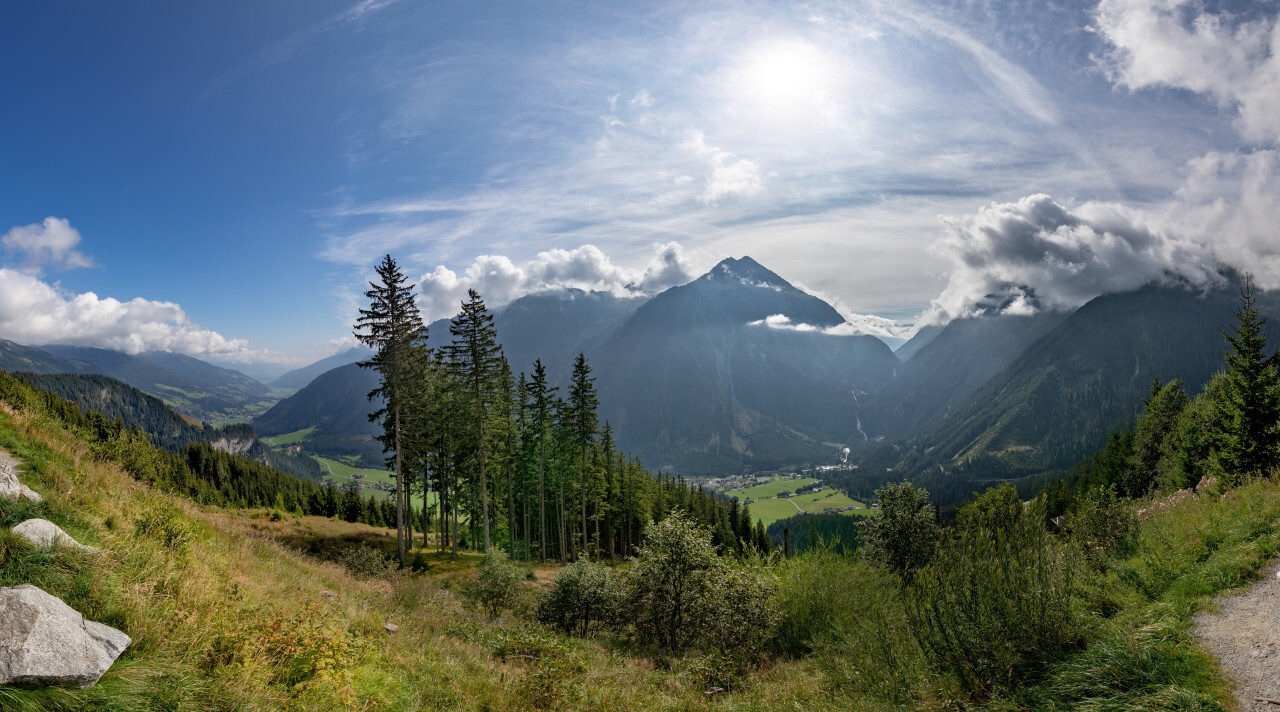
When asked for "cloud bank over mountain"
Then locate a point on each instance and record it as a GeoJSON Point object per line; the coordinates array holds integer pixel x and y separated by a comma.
{"type": "Point", "coordinates": [1037, 252]}
{"type": "Point", "coordinates": [33, 311]}
{"type": "Point", "coordinates": [501, 281]}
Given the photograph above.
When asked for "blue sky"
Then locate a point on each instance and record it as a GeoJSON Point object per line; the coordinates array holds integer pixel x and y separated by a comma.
{"type": "Point", "coordinates": [219, 178]}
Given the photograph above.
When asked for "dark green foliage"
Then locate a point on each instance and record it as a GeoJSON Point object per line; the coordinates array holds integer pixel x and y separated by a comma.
{"type": "Point", "coordinates": [393, 328]}
{"type": "Point", "coordinates": [365, 562]}
{"type": "Point", "coordinates": [1245, 437]}
{"type": "Point", "coordinates": [202, 473]}
{"type": "Point", "coordinates": [350, 505]}
{"type": "Point", "coordinates": [839, 532]}
{"type": "Point", "coordinates": [905, 534]}
{"type": "Point", "coordinates": [1153, 437]}
{"type": "Point", "coordinates": [995, 605]}
{"type": "Point", "coordinates": [584, 597]}
{"type": "Point", "coordinates": [1101, 523]}
{"type": "Point", "coordinates": [160, 423]}
{"type": "Point", "coordinates": [475, 359]}
{"type": "Point", "coordinates": [497, 586]}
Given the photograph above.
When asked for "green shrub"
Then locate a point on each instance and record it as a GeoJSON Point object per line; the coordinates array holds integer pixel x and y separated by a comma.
{"type": "Point", "coordinates": [818, 591]}
{"type": "Point", "coordinates": [682, 594]}
{"type": "Point", "coordinates": [497, 585]}
{"type": "Point", "coordinates": [365, 561]}
{"type": "Point", "coordinates": [166, 524]}
{"type": "Point", "coordinates": [553, 669]}
{"type": "Point", "coordinates": [1102, 523]}
{"type": "Point", "coordinates": [905, 534]}
{"type": "Point", "coordinates": [737, 620]}
{"type": "Point", "coordinates": [995, 605]}
{"type": "Point", "coordinates": [670, 580]}
{"type": "Point", "coordinates": [869, 650]}
{"type": "Point", "coordinates": [584, 597]}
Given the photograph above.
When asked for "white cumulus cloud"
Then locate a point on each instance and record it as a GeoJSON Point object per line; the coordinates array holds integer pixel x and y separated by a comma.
{"type": "Point", "coordinates": [34, 312]}
{"type": "Point", "coordinates": [51, 243]}
{"type": "Point", "coordinates": [1036, 252]}
{"type": "Point", "coordinates": [500, 280]}
{"type": "Point", "coordinates": [1177, 43]}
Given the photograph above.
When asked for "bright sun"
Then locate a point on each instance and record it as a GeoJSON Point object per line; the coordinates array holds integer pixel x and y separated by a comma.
{"type": "Point", "coordinates": [786, 76]}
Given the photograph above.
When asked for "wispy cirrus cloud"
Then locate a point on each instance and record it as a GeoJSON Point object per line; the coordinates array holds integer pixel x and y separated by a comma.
{"type": "Point", "coordinates": [288, 47]}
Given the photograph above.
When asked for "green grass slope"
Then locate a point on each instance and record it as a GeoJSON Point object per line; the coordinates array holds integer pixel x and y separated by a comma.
{"type": "Point", "coordinates": [225, 610]}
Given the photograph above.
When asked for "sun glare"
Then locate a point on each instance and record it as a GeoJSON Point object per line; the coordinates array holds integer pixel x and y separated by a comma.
{"type": "Point", "coordinates": [786, 76]}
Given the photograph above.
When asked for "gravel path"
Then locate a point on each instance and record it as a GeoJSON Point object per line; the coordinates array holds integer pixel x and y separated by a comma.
{"type": "Point", "coordinates": [1245, 635]}
{"type": "Point", "coordinates": [10, 460]}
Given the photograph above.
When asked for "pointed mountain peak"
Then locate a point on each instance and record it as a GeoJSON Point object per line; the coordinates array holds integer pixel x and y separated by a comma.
{"type": "Point", "coordinates": [748, 272]}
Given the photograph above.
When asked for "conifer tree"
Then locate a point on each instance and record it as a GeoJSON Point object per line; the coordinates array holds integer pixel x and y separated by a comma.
{"type": "Point", "coordinates": [540, 397]}
{"type": "Point", "coordinates": [477, 359]}
{"type": "Point", "coordinates": [1246, 439]}
{"type": "Point", "coordinates": [583, 425]}
{"type": "Point", "coordinates": [392, 327]}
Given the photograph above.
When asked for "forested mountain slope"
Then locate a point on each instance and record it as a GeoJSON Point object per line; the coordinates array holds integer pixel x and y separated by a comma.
{"type": "Point", "coordinates": [697, 380]}
{"type": "Point", "coordinates": [204, 391]}
{"type": "Point", "coordinates": [164, 427]}
{"type": "Point", "coordinates": [1056, 402]}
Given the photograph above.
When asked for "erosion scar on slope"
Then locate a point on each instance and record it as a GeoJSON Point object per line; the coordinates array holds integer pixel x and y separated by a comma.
{"type": "Point", "coordinates": [1245, 635]}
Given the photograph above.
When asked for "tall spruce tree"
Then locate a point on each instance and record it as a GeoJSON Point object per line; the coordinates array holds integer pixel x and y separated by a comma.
{"type": "Point", "coordinates": [477, 359]}
{"type": "Point", "coordinates": [1246, 439]}
{"type": "Point", "coordinates": [540, 397]}
{"type": "Point", "coordinates": [392, 327]}
{"type": "Point", "coordinates": [583, 425]}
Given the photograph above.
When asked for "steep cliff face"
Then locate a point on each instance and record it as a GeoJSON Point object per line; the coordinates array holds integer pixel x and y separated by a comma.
{"type": "Point", "coordinates": [233, 444]}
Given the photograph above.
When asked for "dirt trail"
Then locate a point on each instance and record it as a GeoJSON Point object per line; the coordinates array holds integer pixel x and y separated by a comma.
{"type": "Point", "coordinates": [1245, 635]}
{"type": "Point", "coordinates": [10, 460]}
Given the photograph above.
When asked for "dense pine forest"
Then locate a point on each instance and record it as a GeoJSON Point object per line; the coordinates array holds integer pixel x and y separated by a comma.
{"type": "Point", "coordinates": [509, 459]}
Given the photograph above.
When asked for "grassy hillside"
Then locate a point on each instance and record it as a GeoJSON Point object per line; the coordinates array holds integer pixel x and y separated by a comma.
{"type": "Point", "coordinates": [226, 612]}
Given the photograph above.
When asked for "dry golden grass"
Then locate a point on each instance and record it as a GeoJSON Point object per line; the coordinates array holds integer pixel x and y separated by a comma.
{"type": "Point", "coordinates": [211, 613]}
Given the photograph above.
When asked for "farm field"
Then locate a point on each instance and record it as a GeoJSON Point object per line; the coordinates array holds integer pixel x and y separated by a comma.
{"type": "Point", "coordinates": [293, 438]}
{"type": "Point", "coordinates": [342, 474]}
{"type": "Point", "coordinates": [770, 489]}
{"type": "Point", "coordinates": [767, 508]}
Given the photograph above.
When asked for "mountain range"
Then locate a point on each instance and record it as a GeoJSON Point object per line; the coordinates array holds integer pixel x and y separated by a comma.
{"type": "Point", "coordinates": [201, 390]}
{"type": "Point", "coordinates": [739, 370]}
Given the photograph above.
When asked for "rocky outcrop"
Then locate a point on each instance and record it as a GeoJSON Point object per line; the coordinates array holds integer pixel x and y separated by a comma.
{"type": "Point", "coordinates": [43, 641]}
{"type": "Point", "coordinates": [42, 532]}
{"type": "Point", "coordinates": [10, 486]}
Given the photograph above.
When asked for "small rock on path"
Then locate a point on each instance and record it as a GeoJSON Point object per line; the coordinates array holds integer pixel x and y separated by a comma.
{"type": "Point", "coordinates": [1245, 635]}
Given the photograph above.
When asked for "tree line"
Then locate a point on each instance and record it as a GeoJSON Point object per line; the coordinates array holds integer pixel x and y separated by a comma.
{"type": "Point", "coordinates": [507, 459]}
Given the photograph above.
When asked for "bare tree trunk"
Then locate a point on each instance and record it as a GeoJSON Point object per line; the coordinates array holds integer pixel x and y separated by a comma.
{"type": "Point", "coordinates": [426, 494]}
{"type": "Point", "coordinates": [542, 502]}
{"type": "Point", "coordinates": [511, 501]}
{"type": "Point", "coordinates": [564, 556]}
{"type": "Point", "coordinates": [400, 498]}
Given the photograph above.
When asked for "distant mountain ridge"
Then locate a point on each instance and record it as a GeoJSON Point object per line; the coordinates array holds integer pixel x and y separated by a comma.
{"type": "Point", "coordinates": [191, 386]}
{"type": "Point", "coordinates": [300, 377]}
{"type": "Point", "coordinates": [165, 427]}
{"type": "Point", "coordinates": [692, 379]}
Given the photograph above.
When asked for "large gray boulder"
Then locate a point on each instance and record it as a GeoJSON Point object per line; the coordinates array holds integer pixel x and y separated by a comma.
{"type": "Point", "coordinates": [44, 642]}
{"type": "Point", "coordinates": [42, 532]}
{"type": "Point", "coordinates": [10, 486]}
